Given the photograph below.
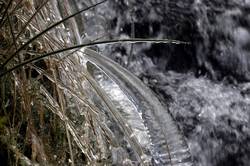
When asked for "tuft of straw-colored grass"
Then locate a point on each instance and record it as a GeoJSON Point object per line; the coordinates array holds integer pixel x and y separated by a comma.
{"type": "Point", "coordinates": [33, 103]}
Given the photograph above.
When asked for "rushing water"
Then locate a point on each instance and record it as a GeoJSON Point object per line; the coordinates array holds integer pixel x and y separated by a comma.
{"type": "Point", "coordinates": [204, 84]}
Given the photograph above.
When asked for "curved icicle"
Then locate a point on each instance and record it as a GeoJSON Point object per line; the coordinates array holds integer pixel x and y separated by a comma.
{"type": "Point", "coordinates": [167, 144]}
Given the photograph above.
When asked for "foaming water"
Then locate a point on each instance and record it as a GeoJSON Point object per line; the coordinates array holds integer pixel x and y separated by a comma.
{"type": "Point", "coordinates": [214, 117]}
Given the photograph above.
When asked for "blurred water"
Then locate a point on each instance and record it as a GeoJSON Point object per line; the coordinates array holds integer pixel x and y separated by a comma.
{"type": "Point", "coordinates": [218, 31]}
{"type": "Point", "coordinates": [214, 117]}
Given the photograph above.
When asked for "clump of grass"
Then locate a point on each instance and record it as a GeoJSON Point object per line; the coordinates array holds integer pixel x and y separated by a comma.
{"type": "Point", "coordinates": [31, 129]}
{"type": "Point", "coordinates": [45, 113]}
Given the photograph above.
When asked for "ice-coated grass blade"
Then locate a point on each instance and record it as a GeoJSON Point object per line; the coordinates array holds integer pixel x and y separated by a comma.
{"type": "Point", "coordinates": [169, 147]}
{"type": "Point", "coordinates": [136, 40]}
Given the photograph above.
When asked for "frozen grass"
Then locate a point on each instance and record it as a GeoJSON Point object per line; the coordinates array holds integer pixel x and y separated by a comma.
{"type": "Point", "coordinates": [45, 117]}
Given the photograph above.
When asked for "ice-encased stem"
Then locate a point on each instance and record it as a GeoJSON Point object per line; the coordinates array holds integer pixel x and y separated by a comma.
{"type": "Point", "coordinates": [168, 146]}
